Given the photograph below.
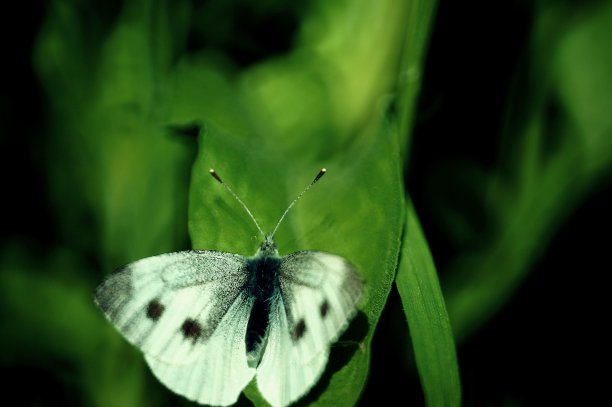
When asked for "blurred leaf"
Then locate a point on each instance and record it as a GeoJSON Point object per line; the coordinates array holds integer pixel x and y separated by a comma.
{"type": "Point", "coordinates": [430, 329]}
{"type": "Point", "coordinates": [563, 140]}
{"type": "Point", "coordinates": [419, 19]}
{"type": "Point", "coordinates": [53, 318]}
{"type": "Point", "coordinates": [117, 175]}
{"type": "Point", "coordinates": [114, 168]}
{"type": "Point", "coordinates": [342, 69]}
{"type": "Point", "coordinates": [582, 66]}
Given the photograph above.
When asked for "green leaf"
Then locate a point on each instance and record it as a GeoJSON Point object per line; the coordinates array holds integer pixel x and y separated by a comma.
{"type": "Point", "coordinates": [323, 105]}
{"type": "Point", "coordinates": [430, 329]}
{"type": "Point", "coordinates": [289, 117]}
{"type": "Point", "coordinates": [340, 215]}
{"type": "Point", "coordinates": [419, 17]}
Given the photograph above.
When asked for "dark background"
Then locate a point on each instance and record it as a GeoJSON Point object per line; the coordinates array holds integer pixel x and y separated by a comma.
{"type": "Point", "coordinates": [544, 345]}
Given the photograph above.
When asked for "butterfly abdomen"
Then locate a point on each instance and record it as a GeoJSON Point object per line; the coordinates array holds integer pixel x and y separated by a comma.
{"type": "Point", "coordinates": [262, 286]}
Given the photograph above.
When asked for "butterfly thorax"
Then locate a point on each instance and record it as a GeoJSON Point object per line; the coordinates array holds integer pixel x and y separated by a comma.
{"type": "Point", "coordinates": [262, 285]}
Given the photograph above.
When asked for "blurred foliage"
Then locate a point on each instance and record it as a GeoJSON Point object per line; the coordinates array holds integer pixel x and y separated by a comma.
{"type": "Point", "coordinates": [143, 96]}
{"type": "Point", "coordinates": [557, 146]}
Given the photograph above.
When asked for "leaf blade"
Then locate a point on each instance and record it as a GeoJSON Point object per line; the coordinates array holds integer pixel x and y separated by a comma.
{"type": "Point", "coordinates": [430, 329]}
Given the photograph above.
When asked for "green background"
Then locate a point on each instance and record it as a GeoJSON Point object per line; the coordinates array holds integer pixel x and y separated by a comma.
{"type": "Point", "coordinates": [469, 158]}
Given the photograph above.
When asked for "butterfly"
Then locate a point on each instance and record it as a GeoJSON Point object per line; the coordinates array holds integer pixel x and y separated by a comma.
{"type": "Point", "coordinates": [208, 322]}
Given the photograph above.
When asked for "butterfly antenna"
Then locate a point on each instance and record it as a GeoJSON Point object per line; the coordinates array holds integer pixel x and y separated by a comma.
{"type": "Point", "coordinates": [318, 177]}
{"type": "Point", "coordinates": [218, 178]}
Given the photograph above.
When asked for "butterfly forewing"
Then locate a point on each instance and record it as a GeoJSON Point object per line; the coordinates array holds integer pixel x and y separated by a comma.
{"type": "Point", "coordinates": [318, 294]}
{"type": "Point", "coordinates": [170, 305]}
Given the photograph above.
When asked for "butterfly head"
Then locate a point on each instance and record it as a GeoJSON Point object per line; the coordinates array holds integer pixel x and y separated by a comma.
{"type": "Point", "coordinates": [268, 248]}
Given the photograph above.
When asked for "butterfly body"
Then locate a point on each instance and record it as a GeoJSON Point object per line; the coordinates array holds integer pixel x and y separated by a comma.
{"type": "Point", "coordinates": [263, 286]}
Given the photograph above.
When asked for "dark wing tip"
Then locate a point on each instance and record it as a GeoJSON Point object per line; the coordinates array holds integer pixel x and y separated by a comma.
{"type": "Point", "coordinates": [115, 287]}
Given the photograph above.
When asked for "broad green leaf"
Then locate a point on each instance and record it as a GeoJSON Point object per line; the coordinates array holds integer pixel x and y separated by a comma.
{"type": "Point", "coordinates": [341, 215]}
{"type": "Point", "coordinates": [301, 116]}
{"type": "Point", "coordinates": [430, 329]}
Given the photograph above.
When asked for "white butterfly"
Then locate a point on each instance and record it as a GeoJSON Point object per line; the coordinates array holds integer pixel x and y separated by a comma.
{"type": "Point", "coordinates": [209, 321]}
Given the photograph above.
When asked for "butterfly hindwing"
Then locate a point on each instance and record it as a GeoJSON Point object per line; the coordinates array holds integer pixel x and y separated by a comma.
{"type": "Point", "coordinates": [170, 305]}
{"type": "Point", "coordinates": [220, 372]}
{"type": "Point", "coordinates": [320, 291]}
{"type": "Point", "coordinates": [317, 299]}
{"type": "Point", "coordinates": [281, 376]}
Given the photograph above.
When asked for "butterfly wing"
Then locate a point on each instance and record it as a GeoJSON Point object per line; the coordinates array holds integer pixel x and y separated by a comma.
{"type": "Point", "coordinates": [220, 372]}
{"type": "Point", "coordinates": [179, 309]}
{"type": "Point", "coordinates": [317, 299]}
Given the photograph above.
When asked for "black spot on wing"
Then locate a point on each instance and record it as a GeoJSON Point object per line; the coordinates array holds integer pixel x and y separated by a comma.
{"type": "Point", "coordinates": [298, 330]}
{"type": "Point", "coordinates": [191, 329]}
{"type": "Point", "coordinates": [155, 309]}
{"type": "Point", "coordinates": [324, 308]}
